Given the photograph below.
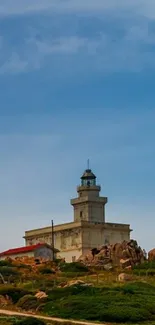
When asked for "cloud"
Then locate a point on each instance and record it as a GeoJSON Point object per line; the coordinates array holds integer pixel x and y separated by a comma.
{"type": "Point", "coordinates": [33, 52]}
{"type": "Point", "coordinates": [131, 52]}
{"type": "Point", "coordinates": [88, 45]}
{"type": "Point", "coordinates": [143, 7]}
{"type": "Point", "coordinates": [70, 45]}
{"type": "Point", "coordinates": [13, 65]}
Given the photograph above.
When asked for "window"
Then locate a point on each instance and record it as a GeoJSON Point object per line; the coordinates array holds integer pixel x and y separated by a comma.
{"type": "Point", "coordinates": [81, 214]}
{"type": "Point", "coordinates": [73, 259]}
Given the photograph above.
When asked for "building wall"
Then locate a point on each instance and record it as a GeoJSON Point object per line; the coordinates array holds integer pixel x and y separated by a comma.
{"type": "Point", "coordinates": [71, 255]}
{"type": "Point", "coordinates": [96, 212]}
{"type": "Point", "coordinates": [81, 212]}
{"type": "Point", "coordinates": [68, 241]}
{"type": "Point", "coordinates": [89, 211]}
{"type": "Point", "coordinates": [92, 237]}
{"type": "Point", "coordinates": [37, 239]}
{"type": "Point", "coordinates": [115, 236]}
{"type": "Point", "coordinates": [44, 252]}
{"type": "Point", "coordinates": [74, 239]}
{"type": "Point", "coordinates": [29, 254]}
{"type": "Point", "coordinates": [95, 236]}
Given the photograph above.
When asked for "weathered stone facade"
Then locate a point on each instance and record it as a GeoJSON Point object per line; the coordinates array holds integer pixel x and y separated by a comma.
{"type": "Point", "coordinates": [89, 228]}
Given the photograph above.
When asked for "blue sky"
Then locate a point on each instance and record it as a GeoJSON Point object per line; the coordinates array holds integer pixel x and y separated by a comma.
{"type": "Point", "coordinates": [76, 82]}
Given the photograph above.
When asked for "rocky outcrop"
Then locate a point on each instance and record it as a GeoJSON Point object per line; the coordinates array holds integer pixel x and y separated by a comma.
{"type": "Point", "coordinates": [151, 255]}
{"type": "Point", "coordinates": [125, 254]}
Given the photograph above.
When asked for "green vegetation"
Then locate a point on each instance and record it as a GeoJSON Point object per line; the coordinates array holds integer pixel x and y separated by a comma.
{"type": "Point", "coordinates": [106, 301]}
{"type": "Point", "coordinates": [4, 320]}
{"type": "Point", "coordinates": [5, 263]}
{"type": "Point", "coordinates": [13, 293]}
{"type": "Point", "coordinates": [145, 266]}
{"type": "Point", "coordinates": [73, 267]}
{"type": "Point", "coordinates": [46, 270]}
{"type": "Point", "coordinates": [31, 321]}
{"type": "Point", "coordinates": [7, 271]}
{"type": "Point", "coordinates": [117, 303]}
{"type": "Point", "coordinates": [128, 303]}
{"type": "Point", "coordinates": [145, 269]}
{"type": "Point", "coordinates": [28, 302]}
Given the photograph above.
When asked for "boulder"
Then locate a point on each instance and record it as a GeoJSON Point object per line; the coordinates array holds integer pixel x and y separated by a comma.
{"type": "Point", "coordinates": [151, 255]}
{"type": "Point", "coordinates": [76, 282]}
{"type": "Point", "coordinates": [120, 254]}
{"type": "Point", "coordinates": [125, 263]}
{"type": "Point", "coordinates": [123, 277]}
{"type": "Point", "coordinates": [41, 295]}
{"type": "Point", "coordinates": [108, 267]}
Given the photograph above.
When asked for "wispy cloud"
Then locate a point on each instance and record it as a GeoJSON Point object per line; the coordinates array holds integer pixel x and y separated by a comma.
{"type": "Point", "coordinates": [130, 47]}
{"type": "Point", "coordinates": [7, 7]}
{"type": "Point", "coordinates": [70, 45]}
{"type": "Point", "coordinates": [13, 65]}
{"type": "Point", "coordinates": [130, 52]}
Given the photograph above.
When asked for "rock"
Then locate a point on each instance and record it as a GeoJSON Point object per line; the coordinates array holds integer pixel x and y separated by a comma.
{"type": "Point", "coordinates": [108, 267]}
{"type": "Point", "coordinates": [123, 277]}
{"type": "Point", "coordinates": [128, 267]}
{"type": "Point", "coordinates": [4, 301]}
{"type": "Point", "coordinates": [125, 263]}
{"type": "Point", "coordinates": [151, 255]}
{"type": "Point", "coordinates": [77, 282]}
{"type": "Point", "coordinates": [120, 254]}
{"type": "Point", "coordinates": [41, 295]}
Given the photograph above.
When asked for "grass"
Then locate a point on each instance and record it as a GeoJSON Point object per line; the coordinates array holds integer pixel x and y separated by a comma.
{"type": "Point", "coordinates": [107, 301]}
{"type": "Point", "coordinates": [128, 303]}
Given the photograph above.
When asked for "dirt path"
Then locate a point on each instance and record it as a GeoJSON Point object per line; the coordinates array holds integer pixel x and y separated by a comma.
{"type": "Point", "coordinates": [59, 320]}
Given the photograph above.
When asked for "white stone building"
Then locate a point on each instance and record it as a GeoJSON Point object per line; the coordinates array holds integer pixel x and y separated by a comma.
{"type": "Point", "coordinates": [89, 228]}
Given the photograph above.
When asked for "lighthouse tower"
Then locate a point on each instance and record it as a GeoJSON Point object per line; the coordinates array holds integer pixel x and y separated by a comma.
{"type": "Point", "coordinates": [89, 205]}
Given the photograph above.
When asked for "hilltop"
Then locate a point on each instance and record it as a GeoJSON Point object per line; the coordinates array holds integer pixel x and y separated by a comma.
{"type": "Point", "coordinates": [78, 291]}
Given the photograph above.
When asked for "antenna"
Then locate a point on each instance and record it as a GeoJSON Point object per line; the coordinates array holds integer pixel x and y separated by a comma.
{"type": "Point", "coordinates": [53, 239]}
{"type": "Point", "coordinates": [88, 164]}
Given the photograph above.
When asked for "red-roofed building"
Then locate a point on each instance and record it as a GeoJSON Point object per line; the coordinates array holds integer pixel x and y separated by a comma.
{"type": "Point", "coordinates": [41, 250]}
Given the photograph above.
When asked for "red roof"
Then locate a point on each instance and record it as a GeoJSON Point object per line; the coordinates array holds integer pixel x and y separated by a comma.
{"type": "Point", "coordinates": [24, 249]}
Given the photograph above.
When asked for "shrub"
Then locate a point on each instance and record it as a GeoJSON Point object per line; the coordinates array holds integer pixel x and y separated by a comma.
{"type": "Point", "coordinates": [14, 293]}
{"type": "Point", "coordinates": [7, 271]}
{"type": "Point", "coordinates": [144, 272]}
{"type": "Point", "coordinates": [5, 263]}
{"type": "Point", "coordinates": [132, 302]}
{"type": "Point", "coordinates": [60, 293]}
{"type": "Point", "coordinates": [31, 321]}
{"type": "Point", "coordinates": [145, 266]}
{"type": "Point", "coordinates": [23, 266]}
{"type": "Point", "coordinates": [28, 302]}
{"type": "Point", "coordinates": [73, 267]}
{"type": "Point", "coordinates": [46, 270]}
